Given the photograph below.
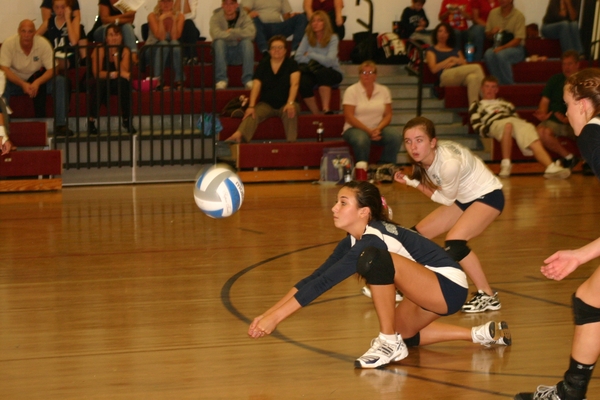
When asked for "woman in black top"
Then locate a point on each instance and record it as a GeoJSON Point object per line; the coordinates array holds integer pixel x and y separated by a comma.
{"type": "Point", "coordinates": [112, 74]}
{"type": "Point", "coordinates": [276, 80]}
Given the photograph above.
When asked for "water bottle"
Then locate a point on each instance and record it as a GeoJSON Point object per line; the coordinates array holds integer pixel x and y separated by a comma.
{"type": "Point", "coordinates": [320, 130]}
{"type": "Point", "coordinates": [470, 52]}
{"type": "Point", "coordinates": [498, 39]}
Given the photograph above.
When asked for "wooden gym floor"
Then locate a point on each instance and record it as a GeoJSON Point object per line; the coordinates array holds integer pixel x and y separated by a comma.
{"type": "Point", "coordinates": [130, 292]}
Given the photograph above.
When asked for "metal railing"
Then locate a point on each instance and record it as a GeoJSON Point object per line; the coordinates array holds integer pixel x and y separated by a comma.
{"type": "Point", "coordinates": [165, 120]}
{"type": "Point", "coordinates": [416, 56]}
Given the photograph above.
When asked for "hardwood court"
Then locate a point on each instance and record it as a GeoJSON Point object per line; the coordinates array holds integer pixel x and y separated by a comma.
{"type": "Point", "coordinates": [130, 292]}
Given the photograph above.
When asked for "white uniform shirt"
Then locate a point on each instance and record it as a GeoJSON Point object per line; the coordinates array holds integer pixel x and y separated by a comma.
{"type": "Point", "coordinates": [459, 174]}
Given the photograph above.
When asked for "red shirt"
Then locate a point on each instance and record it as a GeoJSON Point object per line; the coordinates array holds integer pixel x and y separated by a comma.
{"type": "Point", "coordinates": [456, 19]}
{"type": "Point", "coordinates": [484, 7]}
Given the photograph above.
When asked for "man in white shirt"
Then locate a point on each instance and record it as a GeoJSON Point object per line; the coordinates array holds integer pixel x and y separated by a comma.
{"type": "Point", "coordinates": [275, 17]}
{"type": "Point", "coordinates": [26, 60]}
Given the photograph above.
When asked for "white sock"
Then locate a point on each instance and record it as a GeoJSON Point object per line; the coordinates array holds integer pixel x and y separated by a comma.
{"type": "Point", "coordinates": [505, 161]}
{"type": "Point", "coordinates": [393, 338]}
{"type": "Point", "coordinates": [3, 135]}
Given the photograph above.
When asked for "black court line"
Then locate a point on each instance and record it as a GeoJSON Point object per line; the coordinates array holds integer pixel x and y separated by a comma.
{"type": "Point", "coordinates": [226, 300]}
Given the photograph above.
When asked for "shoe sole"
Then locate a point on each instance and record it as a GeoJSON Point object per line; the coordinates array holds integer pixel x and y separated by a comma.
{"type": "Point", "coordinates": [559, 175]}
{"type": "Point", "coordinates": [506, 336]}
{"type": "Point", "coordinates": [403, 354]}
{"type": "Point", "coordinates": [487, 308]}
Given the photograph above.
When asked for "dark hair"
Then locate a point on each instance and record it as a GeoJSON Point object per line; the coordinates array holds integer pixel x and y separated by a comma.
{"type": "Point", "coordinates": [574, 54]}
{"type": "Point", "coordinates": [278, 38]}
{"type": "Point", "coordinates": [585, 84]}
{"type": "Point", "coordinates": [451, 42]}
{"type": "Point", "coordinates": [490, 78]}
{"type": "Point", "coordinates": [367, 195]}
{"type": "Point", "coordinates": [418, 171]}
{"type": "Point", "coordinates": [116, 28]}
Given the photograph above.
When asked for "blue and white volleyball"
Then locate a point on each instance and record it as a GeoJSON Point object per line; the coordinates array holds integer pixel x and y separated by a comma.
{"type": "Point", "coordinates": [218, 191]}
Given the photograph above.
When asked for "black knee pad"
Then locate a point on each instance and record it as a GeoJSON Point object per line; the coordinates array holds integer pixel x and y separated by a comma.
{"type": "Point", "coordinates": [457, 249]}
{"type": "Point", "coordinates": [376, 266]}
{"type": "Point", "coordinates": [584, 313]}
{"type": "Point", "coordinates": [413, 341]}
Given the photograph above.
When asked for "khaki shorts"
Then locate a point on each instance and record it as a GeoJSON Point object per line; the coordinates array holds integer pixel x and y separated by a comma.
{"type": "Point", "coordinates": [562, 130]}
{"type": "Point", "coordinates": [523, 132]}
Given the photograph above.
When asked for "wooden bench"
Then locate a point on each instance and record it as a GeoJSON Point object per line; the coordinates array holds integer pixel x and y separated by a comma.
{"type": "Point", "coordinates": [19, 169]}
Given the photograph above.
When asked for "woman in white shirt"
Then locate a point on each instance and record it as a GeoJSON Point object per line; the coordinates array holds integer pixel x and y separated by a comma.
{"type": "Point", "coordinates": [471, 198]}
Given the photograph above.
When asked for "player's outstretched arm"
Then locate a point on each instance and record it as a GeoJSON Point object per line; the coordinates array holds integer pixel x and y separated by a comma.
{"type": "Point", "coordinates": [563, 262]}
{"type": "Point", "coordinates": [266, 323]}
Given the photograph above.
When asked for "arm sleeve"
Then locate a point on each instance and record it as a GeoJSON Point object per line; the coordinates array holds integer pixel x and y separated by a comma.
{"type": "Point", "coordinates": [330, 58]}
{"type": "Point", "coordinates": [246, 30]}
{"type": "Point", "coordinates": [302, 48]}
{"type": "Point", "coordinates": [215, 30]}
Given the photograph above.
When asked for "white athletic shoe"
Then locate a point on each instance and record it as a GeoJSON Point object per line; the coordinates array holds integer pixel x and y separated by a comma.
{"type": "Point", "coordinates": [221, 85]}
{"type": "Point", "coordinates": [487, 335]}
{"type": "Point", "coordinates": [367, 292]}
{"type": "Point", "coordinates": [481, 302]}
{"type": "Point", "coordinates": [382, 353]}
{"type": "Point", "coordinates": [556, 171]}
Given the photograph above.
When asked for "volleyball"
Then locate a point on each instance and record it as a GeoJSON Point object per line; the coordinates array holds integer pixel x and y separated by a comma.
{"type": "Point", "coordinates": [218, 191]}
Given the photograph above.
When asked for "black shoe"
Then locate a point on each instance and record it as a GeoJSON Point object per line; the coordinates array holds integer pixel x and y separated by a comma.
{"type": "Point", "coordinates": [570, 164]}
{"type": "Point", "coordinates": [129, 126]}
{"type": "Point", "coordinates": [91, 128]}
{"type": "Point", "coordinates": [586, 169]}
{"type": "Point", "coordinates": [63, 130]}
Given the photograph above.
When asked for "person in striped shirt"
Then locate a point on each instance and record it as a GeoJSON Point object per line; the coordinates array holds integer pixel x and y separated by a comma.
{"type": "Point", "coordinates": [497, 118]}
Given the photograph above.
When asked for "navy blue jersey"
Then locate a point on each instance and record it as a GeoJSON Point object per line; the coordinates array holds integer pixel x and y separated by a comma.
{"type": "Point", "coordinates": [341, 264]}
{"type": "Point", "coordinates": [589, 144]}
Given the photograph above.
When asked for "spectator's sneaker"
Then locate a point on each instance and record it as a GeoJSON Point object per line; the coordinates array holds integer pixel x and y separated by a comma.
{"type": "Point", "coordinates": [63, 130]}
{"type": "Point", "coordinates": [249, 85]}
{"type": "Point", "coordinates": [551, 393]}
{"type": "Point", "coordinates": [487, 334]}
{"type": "Point", "coordinates": [571, 163]}
{"type": "Point", "coordinates": [555, 171]}
{"type": "Point", "coordinates": [221, 85]}
{"type": "Point", "coordinates": [505, 169]}
{"type": "Point", "coordinates": [382, 353]}
{"type": "Point", "coordinates": [367, 292]}
{"type": "Point", "coordinates": [481, 302]}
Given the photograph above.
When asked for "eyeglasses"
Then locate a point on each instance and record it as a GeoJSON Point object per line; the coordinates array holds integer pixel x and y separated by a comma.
{"type": "Point", "coordinates": [368, 72]}
{"type": "Point", "coordinates": [277, 47]}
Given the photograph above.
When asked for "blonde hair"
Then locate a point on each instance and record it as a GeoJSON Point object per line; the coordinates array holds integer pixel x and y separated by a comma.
{"type": "Point", "coordinates": [327, 29]}
{"type": "Point", "coordinates": [157, 10]}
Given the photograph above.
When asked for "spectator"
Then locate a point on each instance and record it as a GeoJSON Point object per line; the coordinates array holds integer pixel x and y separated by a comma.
{"type": "Point", "coordinates": [111, 68]}
{"type": "Point", "coordinates": [47, 12]}
{"type": "Point", "coordinates": [267, 16]}
{"type": "Point", "coordinates": [190, 33]}
{"type": "Point", "coordinates": [62, 31]}
{"type": "Point", "coordinates": [109, 14]}
{"type": "Point", "coordinates": [319, 64]}
{"type": "Point", "coordinates": [232, 32]}
{"type": "Point", "coordinates": [496, 118]}
{"type": "Point", "coordinates": [26, 59]}
{"type": "Point", "coordinates": [165, 27]}
{"type": "Point", "coordinates": [333, 8]}
{"type": "Point", "coordinates": [562, 22]}
{"type": "Point", "coordinates": [449, 64]}
{"type": "Point", "coordinates": [5, 143]}
{"type": "Point", "coordinates": [509, 23]}
{"type": "Point", "coordinates": [552, 111]}
{"type": "Point", "coordinates": [276, 82]}
{"type": "Point", "coordinates": [414, 22]}
{"type": "Point", "coordinates": [368, 113]}
{"type": "Point", "coordinates": [457, 14]}
{"type": "Point", "coordinates": [480, 9]}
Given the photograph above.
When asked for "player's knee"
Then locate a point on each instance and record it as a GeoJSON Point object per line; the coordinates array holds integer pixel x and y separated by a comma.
{"type": "Point", "coordinates": [376, 266]}
{"type": "Point", "coordinates": [457, 249]}
{"type": "Point", "coordinates": [413, 341]}
{"type": "Point", "coordinates": [583, 313]}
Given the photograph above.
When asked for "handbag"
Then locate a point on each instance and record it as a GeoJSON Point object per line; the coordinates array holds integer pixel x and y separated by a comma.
{"type": "Point", "coordinates": [235, 107]}
{"type": "Point", "coordinates": [209, 126]}
{"type": "Point", "coordinates": [312, 67]}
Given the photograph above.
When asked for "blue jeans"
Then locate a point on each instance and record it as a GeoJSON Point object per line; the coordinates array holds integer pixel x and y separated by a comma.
{"type": "Point", "coordinates": [39, 102]}
{"type": "Point", "coordinates": [359, 140]}
{"type": "Point", "coordinates": [567, 32]}
{"type": "Point", "coordinates": [477, 37]}
{"type": "Point", "coordinates": [129, 39]}
{"type": "Point", "coordinates": [500, 64]}
{"type": "Point", "coordinates": [292, 26]}
{"type": "Point", "coordinates": [159, 54]}
{"type": "Point", "coordinates": [227, 54]}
